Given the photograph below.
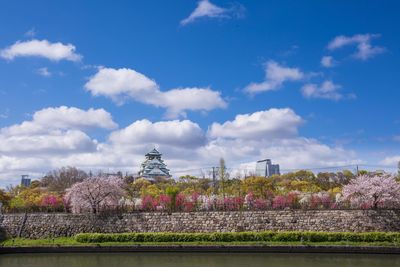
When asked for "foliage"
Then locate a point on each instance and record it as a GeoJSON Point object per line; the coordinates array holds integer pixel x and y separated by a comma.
{"type": "Point", "coordinates": [5, 198]}
{"type": "Point", "coordinates": [373, 191]}
{"type": "Point", "coordinates": [281, 236]}
{"type": "Point", "coordinates": [172, 192]}
{"type": "Point", "coordinates": [301, 189]}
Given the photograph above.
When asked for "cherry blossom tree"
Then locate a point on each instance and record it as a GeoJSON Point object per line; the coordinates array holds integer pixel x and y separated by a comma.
{"type": "Point", "coordinates": [373, 191]}
{"type": "Point", "coordinates": [95, 194]}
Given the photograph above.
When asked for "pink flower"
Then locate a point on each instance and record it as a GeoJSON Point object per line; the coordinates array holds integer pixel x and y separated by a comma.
{"type": "Point", "coordinates": [149, 203]}
{"type": "Point", "coordinates": [165, 201]}
{"type": "Point", "coordinates": [50, 201]}
{"type": "Point", "coordinates": [279, 202]}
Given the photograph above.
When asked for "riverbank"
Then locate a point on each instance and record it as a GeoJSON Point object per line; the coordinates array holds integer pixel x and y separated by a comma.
{"type": "Point", "coordinates": [67, 245]}
{"type": "Point", "coordinates": [207, 248]}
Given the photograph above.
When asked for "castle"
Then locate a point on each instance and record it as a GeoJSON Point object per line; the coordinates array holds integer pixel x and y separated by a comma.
{"type": "Point", "coordinates": [154, 167]}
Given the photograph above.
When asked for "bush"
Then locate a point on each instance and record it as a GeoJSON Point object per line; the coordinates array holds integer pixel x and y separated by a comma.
{"type": "Point", "coordinates": [240, 237]}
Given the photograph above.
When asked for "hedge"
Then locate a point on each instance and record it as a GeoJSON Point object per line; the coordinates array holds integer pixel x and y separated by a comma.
{"type": "Point", "coordinates": [240, 237]}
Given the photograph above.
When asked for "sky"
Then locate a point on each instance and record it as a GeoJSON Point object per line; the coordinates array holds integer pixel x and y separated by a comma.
{"type": "Point", "coordinates": [97, 84]}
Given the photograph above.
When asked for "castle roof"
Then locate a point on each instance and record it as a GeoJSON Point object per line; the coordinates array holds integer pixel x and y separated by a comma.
{"type": "Point", "coordinates": [154, 152]}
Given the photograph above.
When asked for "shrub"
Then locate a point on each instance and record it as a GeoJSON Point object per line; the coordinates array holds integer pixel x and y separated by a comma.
{"type": "Point", "coordinates": [267, 236]}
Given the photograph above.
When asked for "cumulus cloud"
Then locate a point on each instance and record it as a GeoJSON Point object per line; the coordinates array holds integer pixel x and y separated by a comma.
{"type": "Point", "coordinates": [120, 83]}
{"type": "Point", "coordinates": [62, 118]}
{"type": "Point", "coordinates": [327, 90]}
{"type": "Point", "coordinates": [41, 48]}
{"type": "Point", "coordinates": [365, 49]}
{"type": "Point", "coordinates": [391, 161]}
{"type": "Point", "coordinates": [206, 9]}
{"type": "Point", "coordinates": [176, 101]}
{"type": "Point", "coordinates": [271, 124]}
{"type": "Point", "coordinates": [186, 146]}
{"type": "Point", "coordinates": [46, 143]}
{"type": "Point", "coordinates": [275, 76]}
{"type": "Point", "coordinates": [327, 61]}
{"type": "Point", "coordinates": [171, 133]}
{"type": "Point", "coordinates": [123, 84]}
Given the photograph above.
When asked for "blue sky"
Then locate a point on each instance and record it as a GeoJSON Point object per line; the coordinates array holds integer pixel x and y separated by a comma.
{"type": "Point", "coordinates": [200, 80]}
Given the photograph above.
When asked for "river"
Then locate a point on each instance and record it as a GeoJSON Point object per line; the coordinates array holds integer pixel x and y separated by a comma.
{"type": "Point", "coordinates": [196, 260]}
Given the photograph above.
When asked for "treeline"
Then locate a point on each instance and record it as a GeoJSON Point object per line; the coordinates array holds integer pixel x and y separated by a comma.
{"type": "Point", "coordinates": [71, 190]}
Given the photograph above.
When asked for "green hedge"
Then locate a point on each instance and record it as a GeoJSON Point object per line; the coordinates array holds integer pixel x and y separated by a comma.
{"type": "Point", "coordinates": [240, 237]}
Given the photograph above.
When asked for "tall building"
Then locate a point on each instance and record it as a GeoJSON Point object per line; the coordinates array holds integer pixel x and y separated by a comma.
{"type": "Point", "coordinates": [154, 166]}
{"type": "Point", "coordinates": [265, 168]}
{"type": "Point", "coordinates": [25, 180]}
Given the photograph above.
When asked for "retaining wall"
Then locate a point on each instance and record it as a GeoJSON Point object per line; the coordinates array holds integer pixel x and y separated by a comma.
{"type": "Point", "coordinates": [47, 225]}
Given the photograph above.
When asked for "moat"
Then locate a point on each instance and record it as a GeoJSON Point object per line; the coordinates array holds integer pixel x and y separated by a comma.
{"type": "Point", "coordinates": [196, 260]}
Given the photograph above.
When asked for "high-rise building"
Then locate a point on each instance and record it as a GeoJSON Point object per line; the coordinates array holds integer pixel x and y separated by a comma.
{"type": "Point", "coordinates": [265, 168]}
{"type": "Point", "coordinates": [25, 180]}
{"type": "Point", "coordinates": [154, 167]}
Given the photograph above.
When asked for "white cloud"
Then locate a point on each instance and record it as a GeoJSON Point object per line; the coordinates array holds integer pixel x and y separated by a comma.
{"type": "Point", "coordinates": [391, 161]}
{"type": "Point", "coordinates": [176, 101]}
{"type": "Point", "coordinates": [249, 137]}
{"type": "Point", "coordinates": [327, 61]}
{"type": "Point", "coordinates": [52, 136]}
{"type": "Point", "coordinates": [327, 90]}
{"type": "Point", "coordinates": [62, 118]}
{"type": "Point", "coordinates": [171, 133]}
{"type": "Point", "coordinates": [119, 84]}
{"type": "Point", "coordinates": [123, 84]}
{"type": "Point", "coordinates": [291, 153]}
{"type": "Point", "coordinates": [275, 76]}
{"type": "Point", "coordinates": [44, 72]}
{"type": "Point", "coordinates": [41, 48]}
{"type": "Point", "coordinates": [31, 33]}
{"type": "Point", "coordinates": [363, 43]}
{"type": "Point", "coordinates": [269, 124]}
{"type": "Point", "coordinates": [46, 143]}
{"type": "Point", "coordinates": [206, 9]}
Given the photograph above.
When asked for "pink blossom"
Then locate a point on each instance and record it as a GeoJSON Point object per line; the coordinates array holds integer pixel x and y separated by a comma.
{"type": "Point", "coordinates": [149, 203]}
{"type": "Point", "coordinates": [94, 194]}
{"type": "Point", "coordinates": [279, 202]}
{"type": "Point", "coordinates": [165, 201]}
{"type": "Point", "coordinates": [374, 191]}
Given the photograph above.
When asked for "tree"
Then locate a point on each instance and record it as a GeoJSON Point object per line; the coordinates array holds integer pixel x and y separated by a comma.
{"type": "Point", "coordinates": [222, 175]}
{"type": "Point", "coordinates": [172, 192]}
{"type": "Point", "coordinates": [4, 199]}
{"type": "Point", "coordinates": [61, 179]}
{"type": "Point", "coordinates": [95, 194]}
{"type": "Point", "coordinates": [137, 188]}
{"type": "Point", "coordinates": [258, 186]}
{"type": "Point", "coordinates": [373, 191]}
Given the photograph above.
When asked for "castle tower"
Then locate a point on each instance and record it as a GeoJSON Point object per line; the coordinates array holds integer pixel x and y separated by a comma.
{"type": "Point", "coordinates": [154, 166]}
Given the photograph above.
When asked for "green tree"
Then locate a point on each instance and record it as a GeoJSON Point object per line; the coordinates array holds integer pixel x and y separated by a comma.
{"type": "Point", "coordinates": [259, 186]}
{"type": "Point", "coordinates": [223, 175]}
{"type": "Point", "coordinates": [136, 188]}
{"type": "Point", "coordinates": [172, 192]}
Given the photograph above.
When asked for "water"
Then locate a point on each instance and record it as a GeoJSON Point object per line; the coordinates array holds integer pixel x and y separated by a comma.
{"type": "Point", "coordinates": [196, 260]}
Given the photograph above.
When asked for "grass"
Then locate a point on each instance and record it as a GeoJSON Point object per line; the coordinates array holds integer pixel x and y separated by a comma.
{"type": "Point", "coordinates": [71, 242]}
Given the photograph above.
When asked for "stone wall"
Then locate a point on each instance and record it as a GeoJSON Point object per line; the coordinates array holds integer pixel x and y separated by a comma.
{"type": "Point", "coordinates": [40, 225]}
